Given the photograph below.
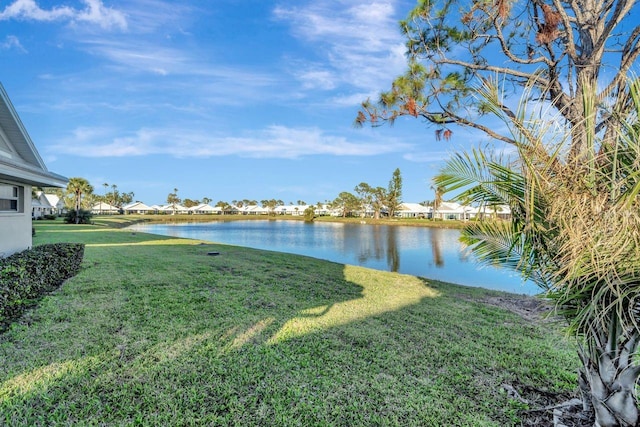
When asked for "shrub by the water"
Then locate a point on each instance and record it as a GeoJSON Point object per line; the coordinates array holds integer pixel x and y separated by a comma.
{"type": "Point", "coordinates": [27, 275]}
{"type": "Point", "coordinates": [309, 214]}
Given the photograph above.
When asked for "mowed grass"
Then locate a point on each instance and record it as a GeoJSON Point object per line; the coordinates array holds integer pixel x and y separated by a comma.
{"type": "Point", "coordinates": [154, 331]}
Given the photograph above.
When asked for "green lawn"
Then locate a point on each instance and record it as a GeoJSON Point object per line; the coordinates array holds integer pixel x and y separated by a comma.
{"type": "Point", "coordinates": [154, 331]}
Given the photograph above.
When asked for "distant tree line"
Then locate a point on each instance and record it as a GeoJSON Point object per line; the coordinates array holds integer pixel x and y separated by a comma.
{"type": "Point", "coordinates": [79, 196]}
{"type": "Point", "coordinates": [383, 201]}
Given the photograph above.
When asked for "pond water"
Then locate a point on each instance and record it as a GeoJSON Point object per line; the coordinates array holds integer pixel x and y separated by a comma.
{"type": "Point", "coordinates": [433, 253]}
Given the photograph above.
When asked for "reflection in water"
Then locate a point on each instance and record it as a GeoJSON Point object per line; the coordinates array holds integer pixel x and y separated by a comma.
{"type": "Point", "coordinates": [419, 251]}
{"type": "Point", "coordinates": [393, 256]}
{"type": "Point", "coordinates": [435, 247]}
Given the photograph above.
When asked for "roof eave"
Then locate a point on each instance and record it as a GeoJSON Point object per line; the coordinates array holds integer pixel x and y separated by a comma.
{"type": "Point", "coordinates": [31, 176]}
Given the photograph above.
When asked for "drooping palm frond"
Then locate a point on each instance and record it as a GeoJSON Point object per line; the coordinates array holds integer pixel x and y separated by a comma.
{"type": "Point", "coordinates": [488, 180]}
{"type": "Point", "coordinates": [575, 231]}
{"type": "Point", "coordinates": [471, 173]}
{"type": "Point", "coordinates": [507, 245]}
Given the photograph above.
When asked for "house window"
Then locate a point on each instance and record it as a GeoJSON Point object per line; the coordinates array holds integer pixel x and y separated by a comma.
{"type": "Point", "coordinates": [10, 198]}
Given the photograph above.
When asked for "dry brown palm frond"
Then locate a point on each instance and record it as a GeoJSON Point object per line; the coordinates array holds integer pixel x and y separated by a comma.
{"type": "Point", "coordinates": [598, 249]}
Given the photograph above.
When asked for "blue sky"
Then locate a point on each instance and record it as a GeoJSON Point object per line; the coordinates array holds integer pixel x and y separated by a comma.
{"type": "Point", "coordinates": [225, 99]}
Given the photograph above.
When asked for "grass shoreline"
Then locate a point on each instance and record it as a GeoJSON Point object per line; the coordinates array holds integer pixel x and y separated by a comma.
{"type": "Point", "coordinates": [126, 220]}
{"type": "Point", "coordinates": [153, 331]}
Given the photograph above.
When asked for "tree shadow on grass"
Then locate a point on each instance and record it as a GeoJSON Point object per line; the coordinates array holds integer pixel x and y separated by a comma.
{"type": "Point", "coordinates": [168, 334]}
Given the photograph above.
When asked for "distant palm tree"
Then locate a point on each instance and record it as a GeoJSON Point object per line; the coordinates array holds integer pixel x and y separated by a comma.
{"type": "Point", "coordinates": [437, 201]}
{"type": "Point", "coordinates": [173, 200]}
{"type": "Point", "coordinates": [105, 185]}
{"type": "Point", "coordinates": [78, 187]}
{"type": "Point", "coordinates": [114, 195]}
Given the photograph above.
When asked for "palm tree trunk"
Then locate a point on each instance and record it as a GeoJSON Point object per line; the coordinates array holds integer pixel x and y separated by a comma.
{"type": "Point", "coordinates": [78, 195]}
{"type": "Point", "coordinates": [608, 379]}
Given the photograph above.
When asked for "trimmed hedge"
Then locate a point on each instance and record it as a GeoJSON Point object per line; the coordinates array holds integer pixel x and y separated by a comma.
{"type": "Point", "coordinates": [26, 276]}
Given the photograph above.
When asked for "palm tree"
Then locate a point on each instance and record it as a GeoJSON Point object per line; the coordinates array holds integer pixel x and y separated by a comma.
{"type": "Point", "coordinates": [105, 185]}
{"type": "Point", "coordinates": [173, 200]}
{"type": "Point", "coordinates": [78, 187]}
{"type": "Point", "coordinates": [575, 231]}
{"type": "Point", "coordinates": [115, 195]}
{"type": "Point", "coordinates": [437, 201]}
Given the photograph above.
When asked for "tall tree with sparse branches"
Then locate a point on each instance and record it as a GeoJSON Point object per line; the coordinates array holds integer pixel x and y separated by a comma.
{"type": "Point", "coordinates": [394, 193]}
{"type": "Point", "coordinates": [573, 183]}
{"type": "Point", "coordinates": [365, 197]}
{"type": "Point", "coordinates": [558, 49]}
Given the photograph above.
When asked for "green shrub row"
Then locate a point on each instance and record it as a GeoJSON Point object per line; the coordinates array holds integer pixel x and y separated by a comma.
{"type": "Point", "coordinates": [27, 275]}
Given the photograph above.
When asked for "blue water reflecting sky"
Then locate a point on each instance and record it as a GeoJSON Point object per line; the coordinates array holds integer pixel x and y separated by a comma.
{"type": "Point", "coordinates": [427, 252]}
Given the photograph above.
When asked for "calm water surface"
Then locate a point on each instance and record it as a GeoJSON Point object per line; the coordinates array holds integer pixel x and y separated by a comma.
{"type": "Point", "coordinates": [427, 252]}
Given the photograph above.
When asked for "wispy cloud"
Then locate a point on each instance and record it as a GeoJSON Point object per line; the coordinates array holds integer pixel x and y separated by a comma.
{"type": "Point", "coordinates": [94, 13]}
{"type": "Point", "coordinates": [159, 16]}
{"type": "Point", "coordinates": [139, 56]}
{"type": "Point", "coordinates": [135, 56]}
{"type": "Point", "coordinates": [359, 42]}
{"type": "Point", "coordinates": [12, 42]}
{"type": "Point", "coordinates": [271, 142]}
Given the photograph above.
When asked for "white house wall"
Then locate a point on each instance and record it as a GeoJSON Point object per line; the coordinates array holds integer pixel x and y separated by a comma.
{"type": "Point", "coordinates": [15, 227]}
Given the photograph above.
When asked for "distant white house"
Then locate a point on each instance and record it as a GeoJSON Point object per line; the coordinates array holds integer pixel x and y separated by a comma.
{"type": "Point", "coordinates": [104, 209]}
{"type": "Point", "coordinates": [413, 210]}
{"type": "Point", "coordinates": [173, 209]}
{"type": "Point", "coordinates": [56, 203]}
{"type": "Point", "coordinates": [229, 210]}
{"type": "Point", "coordinates": [137, 208]}
{"type": "Point", "coordinates": [155, 208]}
{"type": "Point", "coordinates": [39, 208]}
{"type": "Point", "coordinates": [496, 211]}
{"type": "Point", "coordinates": [204, 209]}
{"type": "Point", "coordinates": [21, 168]}
{"type": "Point", "coordinates": [295, 210]}
{"type": "Point", "coordinates": [322, 210]}
{"type": "Point", "coordinates": [455, 211]}
{"type": "Point", "coordinates": [253, 210]}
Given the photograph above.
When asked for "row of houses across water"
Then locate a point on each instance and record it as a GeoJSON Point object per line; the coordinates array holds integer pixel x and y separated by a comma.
{"type": "Point", "coordinates": [446, 211]}
{"type": "Point", "coordinates": [51, 204]}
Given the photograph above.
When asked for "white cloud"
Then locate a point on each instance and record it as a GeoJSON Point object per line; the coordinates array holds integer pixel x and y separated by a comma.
{"type": "Point", "coordinates": [157, 16]}
{"type": "Point", "coordinates": [317, 78]}
{"type": "Point", "coordinates": [359, 40]}
{"type": "Point", "coordinates": [272, 142]}
{"type": "Point", "coordinates": [97, 13]}
{"type": "Point", "coordinates": [94, 13]}
{"type": "Point", "coordinates": [29, 10]}
{"type": "Point", "coordinates": [12, 42]}
{"type": "Point", "coordinates": [139, 56]}
{"type": "Point", "coordinates": [132, 57]}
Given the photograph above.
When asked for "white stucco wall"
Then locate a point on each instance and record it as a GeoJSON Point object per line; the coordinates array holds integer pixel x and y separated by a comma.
{"type": "Point", "coordinates": [15, 228]}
